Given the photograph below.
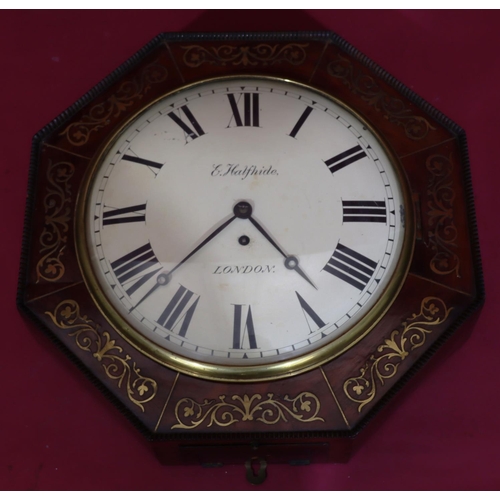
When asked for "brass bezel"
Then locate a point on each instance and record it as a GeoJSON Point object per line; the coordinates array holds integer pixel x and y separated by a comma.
{"type": "Point", "coordinates": [252, 373]}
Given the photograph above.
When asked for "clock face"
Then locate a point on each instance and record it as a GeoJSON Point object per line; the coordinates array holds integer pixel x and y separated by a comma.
{"type": "Point", "coordinates": [245, 223]}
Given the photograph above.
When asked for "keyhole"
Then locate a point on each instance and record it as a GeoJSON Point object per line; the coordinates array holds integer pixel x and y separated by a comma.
{"type": "Point", "coordinates": [256, 470]}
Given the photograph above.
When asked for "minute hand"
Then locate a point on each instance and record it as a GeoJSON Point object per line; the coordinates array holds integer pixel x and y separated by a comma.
{"type": "Point", "coordinates": [203, 243]}
{"type": "Point", "coordinates": [164, 278]}
{"type": "Point", "coordinates": [296, 266]}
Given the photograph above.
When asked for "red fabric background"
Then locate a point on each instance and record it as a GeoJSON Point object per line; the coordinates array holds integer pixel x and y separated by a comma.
{"type": "Point", "coordinates": [58, 432]}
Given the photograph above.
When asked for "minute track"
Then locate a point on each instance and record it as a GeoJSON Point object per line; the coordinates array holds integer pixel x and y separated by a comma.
{"type": "Point", "coordinates": [316, 197]}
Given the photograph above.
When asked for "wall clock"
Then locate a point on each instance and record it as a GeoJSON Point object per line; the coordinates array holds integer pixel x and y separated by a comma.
{"type": "Point", "coordinates": [250, 242]}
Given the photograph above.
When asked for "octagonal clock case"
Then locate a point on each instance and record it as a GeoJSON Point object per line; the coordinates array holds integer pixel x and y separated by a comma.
{"type": "Point", "coordinates": [249, 242]}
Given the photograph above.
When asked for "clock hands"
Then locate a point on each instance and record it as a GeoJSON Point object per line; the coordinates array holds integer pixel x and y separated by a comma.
{"type": "Point", "coordinates": [243, 210]}
{"type": "Point", "coordinates": [291, 262]}
{"type": "Point", "coordinates": [212, 235]}
{"type": "Point", "coordinates": [164, 278]}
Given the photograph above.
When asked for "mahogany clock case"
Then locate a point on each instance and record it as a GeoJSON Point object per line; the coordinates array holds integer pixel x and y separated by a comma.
{"type": "Point", "coordinates": [442, 288]}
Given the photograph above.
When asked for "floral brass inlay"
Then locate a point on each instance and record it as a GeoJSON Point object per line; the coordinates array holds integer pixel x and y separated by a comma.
{"type": "Point", "coordinates": [100, 115]}
{"type": "Point", "coordinates": [292, 53]}
{"type": "Point", "coordinates": [443, 232]}
{"type": "Point", "coordinates": [190, 414]}
{"type": "Point", "coordinates": [394, 110]}
{"type": "Point", "coordinates": [57, 215]}
{"type": "Point", "coordinates": [88, 337]}
{"type": "Point", "coordinates": [384, 364]}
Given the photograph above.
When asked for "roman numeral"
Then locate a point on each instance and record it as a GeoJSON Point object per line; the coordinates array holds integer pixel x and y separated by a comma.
{"type": "Point", "coordinates": [124, 215]}
{"type": "Point", "coordinates": [364, 211]}
{"type": "Point", "coordinates": [192, 134]}
{"type": "Point", "coordinates": [250, 109]}
{"type": "Point", "coordinates": [180, 308]}
{"type": "Point", "coordinates": [130, 268]}
{"type": "Point", "coordinates": [351, 266]}
{"type": "Point", "coordinates": [301, 121]}
{"type": "Point", "coordinates": [307, 309]}
{"type": "Point", "coordinates": [241, 331]}
{"type": "Point", "coordinates": [346, 158]}
{"type": "Point", "coordinates": [142, 161]}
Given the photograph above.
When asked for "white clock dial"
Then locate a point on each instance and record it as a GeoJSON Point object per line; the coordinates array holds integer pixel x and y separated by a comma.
{"type": "Point", "coordinates": [244, 222]}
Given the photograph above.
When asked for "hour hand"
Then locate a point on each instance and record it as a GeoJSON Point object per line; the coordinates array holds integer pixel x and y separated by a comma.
{"type": "Point", "coordinates": [292, 262]}
{"type": "Point", "coordinates": [243, 210]}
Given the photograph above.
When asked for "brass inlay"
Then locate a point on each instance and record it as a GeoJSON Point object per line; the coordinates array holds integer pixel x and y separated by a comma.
{"type": "Point", "coordinates": [384, 364]}
{"type": "Point", "coordinates": [442, 230]}
{"type": "Point", "coordinates": [57, 215]}
{"type": "Point", "coordinates": [57, 290]}
{"type": "Point", "coordinates": [440, 283]}
{"type": "Point", "coordinates": [88, 337]}
{"type": "Point", "coordinates": [167, 401]}
{"type": "Point", "coordinates": [264, 54]}
{"type": "Point", "coordinates": [418, 215]}
{"type": "Point", "coordinates": [99, 116]}
{"type": "Point", "coordinates": [334, 397]}
{"type": "Point", "coordinates": [394, 110]}
{"type": "Point", "coordinates": [190, 414]}
{"type": "Point", "coordinates": [67, 151]}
